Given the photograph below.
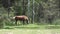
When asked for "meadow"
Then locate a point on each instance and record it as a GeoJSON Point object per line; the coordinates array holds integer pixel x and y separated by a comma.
{"type": "Point", "coordinates": [31, 29]}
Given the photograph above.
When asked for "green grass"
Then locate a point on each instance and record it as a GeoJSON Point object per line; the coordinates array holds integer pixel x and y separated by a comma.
{"type": "Point", "coordinates": [33, 26]}
{"type": "Point", "coordinates": [30, 31]}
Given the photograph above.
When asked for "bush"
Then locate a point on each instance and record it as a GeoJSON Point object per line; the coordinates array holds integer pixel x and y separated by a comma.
{"type": "Point", "coordinates": [1, 23]}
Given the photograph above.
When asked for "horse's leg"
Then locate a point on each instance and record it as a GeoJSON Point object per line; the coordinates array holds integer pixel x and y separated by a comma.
{"type": "Point", "coordinates": [27, 21]}
{"type": "Point", "coordinates": [16, 22]}
{"type": "Point", "coordinates": [23, 22]}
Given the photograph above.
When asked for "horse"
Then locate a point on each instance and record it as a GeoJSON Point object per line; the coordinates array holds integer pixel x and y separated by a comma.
{"type": "Point", "coordinates": [21, 18]}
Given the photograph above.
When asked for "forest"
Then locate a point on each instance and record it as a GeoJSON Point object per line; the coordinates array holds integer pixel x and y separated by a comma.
{"type": "Point", "coordinates": [40, 12]}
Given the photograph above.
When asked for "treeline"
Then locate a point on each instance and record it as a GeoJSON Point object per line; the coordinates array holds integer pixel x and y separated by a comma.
{"type": "Point", "coordinates": [41, 11]}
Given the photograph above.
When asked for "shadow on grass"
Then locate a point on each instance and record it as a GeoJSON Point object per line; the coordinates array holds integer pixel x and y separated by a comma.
{"type": "Point", "coordinates": [53, 27]}
{"type": "Point", "coordinates": [27, 27]}
{"type": "Point", "coordinates": [8, 28]}
{"type": "Point", "coordinates": [33, 27]}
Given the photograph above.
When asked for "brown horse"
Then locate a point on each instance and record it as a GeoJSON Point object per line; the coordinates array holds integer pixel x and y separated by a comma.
{"type": "Point", "coordinates": [21, 18]}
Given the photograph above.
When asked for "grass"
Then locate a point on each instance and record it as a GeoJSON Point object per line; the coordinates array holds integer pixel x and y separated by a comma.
{"type": "Point", "coordinates": [30, 31]}
{"type": "Point", "coordinates": [33, 26]}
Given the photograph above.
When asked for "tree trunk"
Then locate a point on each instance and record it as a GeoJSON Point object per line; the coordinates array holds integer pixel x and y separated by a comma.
{"type": "Point", "coordinates": [8, 7]}
{"type": "Point", "coordinates": [33, 13]}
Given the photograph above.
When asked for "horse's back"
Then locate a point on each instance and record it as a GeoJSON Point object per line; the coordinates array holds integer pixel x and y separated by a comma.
{"type": "Point", "coordinates": [23, 17]}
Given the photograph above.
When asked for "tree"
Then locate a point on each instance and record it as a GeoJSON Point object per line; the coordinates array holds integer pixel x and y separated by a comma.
{"type": "Point", "coordinates": [33, 13]}
{"type": "Point", "coordinates": [7, 4]}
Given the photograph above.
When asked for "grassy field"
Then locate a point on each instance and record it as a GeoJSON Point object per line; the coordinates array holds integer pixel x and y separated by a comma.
{"type": "Point", "coordinates": [33, 26]}
{"type": "Point", "coordinates": [31, 29]}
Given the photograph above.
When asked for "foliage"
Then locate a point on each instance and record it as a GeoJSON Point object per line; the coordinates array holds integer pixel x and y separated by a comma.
{"type": "Point", "coordinates": [45, 11]}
